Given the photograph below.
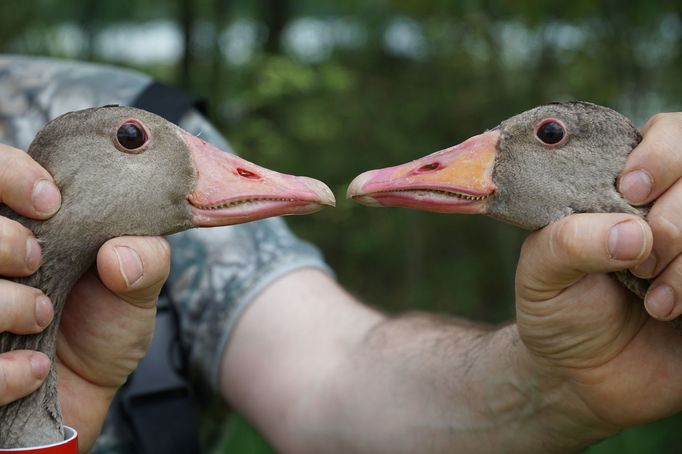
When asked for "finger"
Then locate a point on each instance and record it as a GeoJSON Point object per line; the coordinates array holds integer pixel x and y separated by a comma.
{"type": "Point", "coordinates": [662, 300]}
{"type": "Point", "coordinates": [19, 250]}
{"type": "Point", "coordinates": [562, 253]}
{"type": "Point", "coordinates": [21, 373]}
{"type": "Point", "coordinates": [665, 219]}
{"type": "Point", "coordinates": [135, 268]}
{"type": "Point", "coordinates": [131, 269]}
{"type": "Point", "coordinates": [656, 163]}
{"type": "Point", "coordinates": [23, 309]}
{"type": "Point", "coordinates": [104, 356]}
{"type": "Point", "coordinates": [25, 186]}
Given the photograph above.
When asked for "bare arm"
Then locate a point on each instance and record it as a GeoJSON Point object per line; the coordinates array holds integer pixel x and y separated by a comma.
{"type": "Point", "coordinates": [317, 372]}
{"type": "Point", "coordinates": [329, 375]}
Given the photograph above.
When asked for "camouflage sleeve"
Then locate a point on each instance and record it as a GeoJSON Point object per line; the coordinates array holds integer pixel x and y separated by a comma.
{"type": "Point", "coordinates": [34, 90]}
{"type": "Point", "coordinates": [215, 273]}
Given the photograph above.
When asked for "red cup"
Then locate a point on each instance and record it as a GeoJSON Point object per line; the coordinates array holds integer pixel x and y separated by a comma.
{"type": "Point", "coordinates": [68, 446]}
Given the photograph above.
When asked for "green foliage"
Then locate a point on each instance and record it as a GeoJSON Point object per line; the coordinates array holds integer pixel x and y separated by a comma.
{"type": "Point", "coordinates": [471, 64]}
{"type": "Point", "coordinates": [242, 438]}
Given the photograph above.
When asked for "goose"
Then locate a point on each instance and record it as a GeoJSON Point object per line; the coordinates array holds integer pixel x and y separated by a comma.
{"type": "Point", "coordinates": [533, 169]}
{"type": "Point", "coordinates": [125, 171]}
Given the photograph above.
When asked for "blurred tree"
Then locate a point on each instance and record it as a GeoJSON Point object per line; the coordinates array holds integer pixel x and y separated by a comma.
{"type": "Point", "coordinates": [276, 15]}
{"type": "Point", "coordinates": [330, 88]}
{"type": "Point", "coordinates": [186, 19]}
{"type": "Point", "coordinates": [221, 10]}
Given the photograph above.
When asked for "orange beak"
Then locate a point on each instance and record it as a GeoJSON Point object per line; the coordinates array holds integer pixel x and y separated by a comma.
{"type": "Point", "coordinates": [231, 190]}
{"type": "Point", "coordinates": [454, 180]}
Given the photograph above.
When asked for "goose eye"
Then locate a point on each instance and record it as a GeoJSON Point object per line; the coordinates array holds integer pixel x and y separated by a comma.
{"type": "Point", "coordinates": [131, 136]}
{"type": "Point", "coordinates": [551, 132]}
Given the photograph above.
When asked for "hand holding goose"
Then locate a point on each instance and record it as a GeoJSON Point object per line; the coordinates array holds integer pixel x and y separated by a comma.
{"type": "Point", "coordinates": [126, 171]}
{"type": "Point", "coordinates": [119, 295]}
{"type": "Point", "coordinates": [582, 330]}
{"type": "Point", "coordinates": [533, 169]}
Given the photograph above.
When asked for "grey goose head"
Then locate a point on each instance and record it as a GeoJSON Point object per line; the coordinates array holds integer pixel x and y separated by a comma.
{"type": "Point", "coordinates": [532, 169]}
{"type": "Point", "coordinates": [129, 171]}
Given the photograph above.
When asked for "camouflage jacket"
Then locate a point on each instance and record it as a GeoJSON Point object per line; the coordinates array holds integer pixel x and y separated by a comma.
{"type": "Point", "coordinates": [215, 273]}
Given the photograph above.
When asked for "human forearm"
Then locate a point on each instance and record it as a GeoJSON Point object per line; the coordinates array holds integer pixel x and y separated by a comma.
{"type": "Point", "coordinates": [339, 377]}
{"type": "Point", "coordinates": [430, 384]}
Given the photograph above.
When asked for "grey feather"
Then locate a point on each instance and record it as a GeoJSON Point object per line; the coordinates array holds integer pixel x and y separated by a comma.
{"type": "Point", "coordinates": [105, 193]}
{"type": "Point", "coordinates": [537, 185]}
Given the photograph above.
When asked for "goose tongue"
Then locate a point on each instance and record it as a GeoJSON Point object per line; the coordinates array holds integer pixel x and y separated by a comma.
{"type": "Point", "coordinates": [454, 180]}
{"type": "Point", "coordinates": [231, 190]}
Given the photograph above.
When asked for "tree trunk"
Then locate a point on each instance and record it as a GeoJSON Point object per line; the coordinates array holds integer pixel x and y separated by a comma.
{"type": "Point", "coordinates": [276, 15]}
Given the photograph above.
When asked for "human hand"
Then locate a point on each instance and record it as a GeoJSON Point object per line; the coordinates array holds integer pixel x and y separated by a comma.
{"type": "Point", "coordinates": [108, 318]}
{"type": "Point", "coordinates": [29, 190]}
{"type": "Point", "coordinates": [106, 327]}
{"type": "Point", "coordinates": [585, 329]}
{"type": "Point", "coordinates": [651, 174]}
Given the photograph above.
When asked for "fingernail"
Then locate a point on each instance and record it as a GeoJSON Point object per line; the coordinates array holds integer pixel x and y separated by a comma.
{"type": "Point", "coordinates": [636, 186]}
{"type": "Point", "coordinates": [660, 301]}
{"type": "Point", "coordinates": [626, 241]}
{"type": "Point", "coordinates": [33, 253]}
{"type": "Point", "coordinates": [40, 365]}
{"type": "Point", "coordinates": [646, 268]}
{"type": "Point", "coordinates": [46, 198]}
{"type": "Point", "coordinates": [44, 311]}
{"type": "Point", "coordinates": [130, 264]}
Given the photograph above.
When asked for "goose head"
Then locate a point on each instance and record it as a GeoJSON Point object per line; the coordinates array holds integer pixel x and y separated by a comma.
{"type": "Point", "coordinates": [123, 170]}
{"type": "Point", "coordinates": [530, 170]}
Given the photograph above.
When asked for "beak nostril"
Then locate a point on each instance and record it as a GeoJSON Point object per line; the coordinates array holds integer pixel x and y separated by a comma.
{"type": "Point", "coordinates": [429, 167]}
{"type": "Point", "coordinates": [247, 174]}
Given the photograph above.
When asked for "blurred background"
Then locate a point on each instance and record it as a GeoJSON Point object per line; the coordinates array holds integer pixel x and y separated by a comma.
{"type": "Point", "coordinates": [329, 88]}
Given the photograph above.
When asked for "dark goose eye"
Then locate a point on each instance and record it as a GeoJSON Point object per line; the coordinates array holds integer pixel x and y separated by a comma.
{"type": "Point", "coordinates": [131, 136]}
{"type": "Point", "coordinates": [551, 132]}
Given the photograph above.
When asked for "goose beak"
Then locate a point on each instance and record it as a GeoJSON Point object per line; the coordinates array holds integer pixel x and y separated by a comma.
{"type": "Point", "coordinates": [230, 190]}
{"type": "Point", "coordinates": [455, 180]}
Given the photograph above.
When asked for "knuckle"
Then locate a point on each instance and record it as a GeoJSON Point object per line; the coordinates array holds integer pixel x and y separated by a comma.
{"type": "Point", "coordinates": [13, 237]}
{"type": "Point", "coordinates": [663, 142]}
{"type": "Point", "coordinates": [159, 248]}
{"type": "Point", "coordinates": [8, 237]}
{"type": "Point", "coordinates": [665, 119]}
{"type": "Point", "coordinates": [672, 117]}
{"type": "Point", "coordinates": [18, 308]}
{"type": "Point", "coordinates": [527, 245]}
{"type": "Point", "coordinates": [4, 382]}
{"type": "Point", "coordinates": [665, 231]}
{"type": "Point", "coordinates": [657, 119]}
{"type": "Point", "coordinates": [526, 261]}
{"type": "Point", "coordinates": [12, 369]}
{"type": "Point", "coordinates": [660, 149]}
{"type": "Point", "coordinates": [164, 255]}
{"type": "Point", "coordinates": [673, 273]}
{"type": "Point", "coordinates": [12, 170]}
{"type": "Point", "coordinates": [19, 174]}
{"type": "Point", "coordinates": [666, 148]}
{"type": "Point", "coordinates": [566, 241]}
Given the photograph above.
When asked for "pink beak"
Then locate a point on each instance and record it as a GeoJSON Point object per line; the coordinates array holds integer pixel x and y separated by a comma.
{"type": "Point", "coordinates": [454, 180]}
{"type": "Point", "coordinates": [231, 190]}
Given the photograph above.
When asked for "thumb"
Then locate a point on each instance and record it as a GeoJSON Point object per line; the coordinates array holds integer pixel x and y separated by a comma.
{"type": "Point", "coordinates": [135, 268]}
{"type": "Point", "coordinates": [559, 255]}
